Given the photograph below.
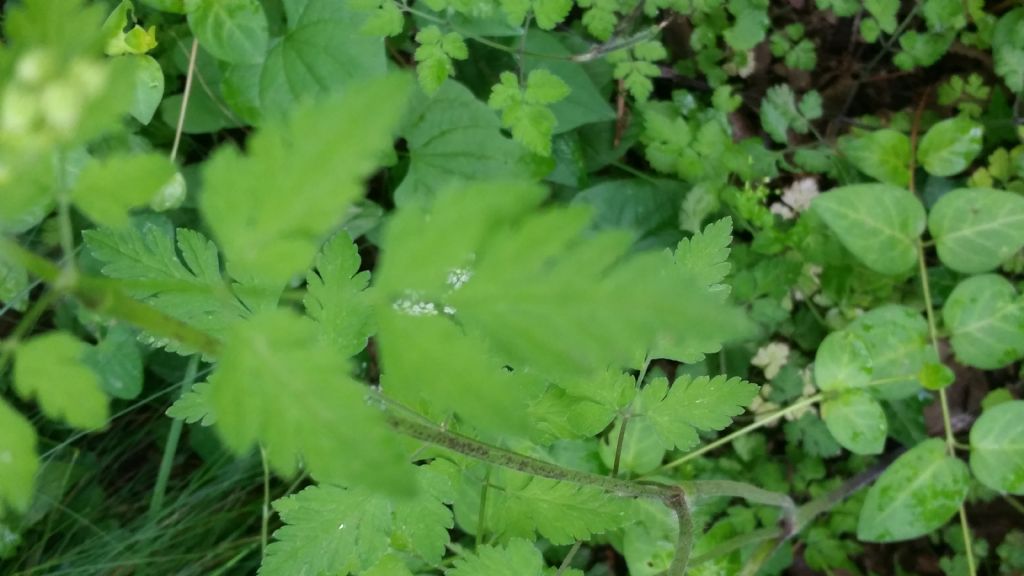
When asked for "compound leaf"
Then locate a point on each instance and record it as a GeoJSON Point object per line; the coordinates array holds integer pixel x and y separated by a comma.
{"type": "Point", "coordinates": [108, 188]}
{"type": "Point", "coordinates": [335, 298]}
{"type": "Point", "coordinates": [281, 385]}
{"type": "Point", "coordinates": [270, 209]}
{"type": "Point", "coordinates": [694, 404]}
{"type": "Point", "coordinates": [517, 558]}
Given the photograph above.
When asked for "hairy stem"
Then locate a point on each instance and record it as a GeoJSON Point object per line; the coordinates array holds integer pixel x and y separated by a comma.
{"type": "Point", "coordinates": [625, 418]}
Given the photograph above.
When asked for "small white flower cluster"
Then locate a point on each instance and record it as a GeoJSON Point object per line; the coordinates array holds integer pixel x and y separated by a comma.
{"type": "Point", "coordinates": [763, 408]}
{"type": "Point", "coordinates": [796, 198]}
{"type": "Point", "coordinates": [770, 358]}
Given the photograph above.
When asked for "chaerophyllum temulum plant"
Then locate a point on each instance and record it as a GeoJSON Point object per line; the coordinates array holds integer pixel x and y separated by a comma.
{"type": "Point", "coordinates": [496, 317]}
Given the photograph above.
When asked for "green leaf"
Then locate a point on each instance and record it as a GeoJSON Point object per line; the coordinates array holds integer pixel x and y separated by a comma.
{"type": "Point", "coordinates": [705, 255]}
{"type": "Point", "coordinates": [148, 82]}
{"type": "Point", "coordinates": [694, 404]}
{"type": "Point", "coordinates": [842, 362]}
{"type": "Point", "coordinates": [108, 188]}
{"type": "Point", "coordinates": [280, 385]}
{"type": "Point", "coordinates": [585, 104]}
{"type": "Point", "coordinates": [453, 138]}
{"type": "Point", "coordinates": [997, 447]}
{"type": "Point", "coordinates": [52, 369]}
{"type": "Point", "coordinates": [898, 344]}
{"type": "Point", "coordinates": [879, 223]}
{"type": "Point", "coordinates": [20, 462]}
{"type": "Point", "coordinates": [950, 146]}
{"type": "Point", "coordinates": [323, 52]}
{"type": "Point", "coordinates": [270, 209]}
{"type": "Point", "coordinates": [333, 530]}
{"type": "Point", "coordinates": [985, 317]}
{"type": "Point", "coordinates": [118, 362]}
{"type": "Point", "coordinates": [976, 229]}
{"type": "Point", "coordinates": [882, 154]}
{"type": "Point", "coordinates": [188, 287]}
{"type": "Point", "coordinates": [780, 112]}
{"type": "Point", "coordinates": [648, 209]}
{"type": "Point", "coordinates": [204, 114]}
{"type": "Point", "coordinates": [194, 406]}
{"type": "Point", "coordinates": [525, 110]}
{"type": "Point", "coordinates": [517, 558]}
{"type": "Point", "coordinates": [885, 13]}
{"type": "Point", "coordinates": [560, 512]}
{"type": "Point", "coordinates": [917, 494]}
{"type": "Point", "coordinates": [435, 54]}
{"type": "Point", "coordinates": [857, 421]}
{"type": "Point", "coordinates": [234, 31]}
{"type": "Point", "coordinates": [335, 298]}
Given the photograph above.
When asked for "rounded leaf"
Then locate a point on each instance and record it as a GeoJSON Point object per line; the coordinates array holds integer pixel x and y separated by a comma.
{"type": "Point", "coordinates": [842, 362]}
{"type": "Point", "coordinates": [997, 447]}
{"type": "Point", "coordinates": [856, 421]}
{"type": "Point", "coordinates": [897, 341]}
{"type": "Point", "coordinates": [975, 229]}
{"type": "Point", "coordinates": [985, 317]}
{"type": "Point", "coordinates": [234, 31]}
{"type": "Point", "coordinates": [882, 154]}
{"type": "Point", "coordinates": [917, 494]}
{"type": "Point", "coordinates": [148, 85]}
{"type": "Point", "coordinates": [879, 223]}
{"type": "Point", "coordinates": [950, 146]}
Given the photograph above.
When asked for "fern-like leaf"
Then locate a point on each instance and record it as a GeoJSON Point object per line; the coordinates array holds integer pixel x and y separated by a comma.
{"type": "Point", "coordinates": [693, 404]}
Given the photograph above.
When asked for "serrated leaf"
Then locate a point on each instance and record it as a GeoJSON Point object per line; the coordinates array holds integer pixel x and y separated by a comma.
{"type": "Point", "coordinates": [194, 406]}
{"type": "Point", "coordinates": [234, 31]}
{"type": "Point", "coordinates": [517, 558]}
{"type": "Point", "coordinates": [882, 154]}
{"type": "Point", "coordinates": [976, 229]}
{"type": "Point", "coordinates": [985, 317]}
{"type": "Point", "coordinates": [561, 512]}
{"type": "Point", "coordinates": [453, 138]}
{"type": "Point", "coordinates": [857, 422]}
{"type": "Point", "coordinates": [879, 223]}
{"type": "Point", "coordinates": [270, 209]}
{"type": "Point", "coordinates": [585, 103]}
{"type": "Point", "coordinates": [335, 298]}
{"type": "Point", "coordinates": [525, 109]}
{"type": "Point", "coordinates": [950, 146]}
{"type": "Point", "coordinates": [103, 191]}
{"type": "Point", "coordinates": [18, 459]}
{"type": "Point", "coordinates": [842, 362]}
{"type": "Point", "coordinates": [322, 53]}
{"type": "Point", "coordinates": [693, 404]}
{"type": "Point", "coordinates": [188, 287]}
{"type": "Point", "coordinates": [331, 530]}
{"type": "Point", "coordinates": [279, 384]}
{"type": "Point", "coordinates": [997, 447]}
{"type": "Point", "coordinates": [52, 368]}
{"type": "Point", "coordinates": [705, 255]}
{"type": "Point", "coordinates": [917, 494]}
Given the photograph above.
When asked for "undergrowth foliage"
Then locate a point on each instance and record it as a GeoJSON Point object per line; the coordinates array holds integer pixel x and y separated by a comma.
{"type": "Point", "coordinates": [497, 317]}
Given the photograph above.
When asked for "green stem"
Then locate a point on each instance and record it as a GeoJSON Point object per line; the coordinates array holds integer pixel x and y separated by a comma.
{"type": "Point", "coordinates": [156, 502]}
{"type": "Point", "coordinates": [745, 430]}
{"type": "Point", "coordinates": [620, 441]}
{"type": "Point", "coordinates": [568, 558]}
{"type": "Point", "coordinates": [25, 325]}
{"type": "Point", "coordinates": [947, 423]}
{"type": "Point", "coordinates": [265, 517]}
{"type": "Point", "coordinates": [481, 519]}
{"type": "Point", "coordinates": [179, 129]}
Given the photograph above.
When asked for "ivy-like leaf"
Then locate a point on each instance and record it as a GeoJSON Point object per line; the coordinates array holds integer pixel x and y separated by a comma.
{"type": "Point", "coordinates": [693, 404]}
{"type": "Point", "coordinates": [337, 531]}
{"type": "Point", "coordinates": [335, 298]}
{"type": "Point", "coordinates": [280, 384]}
{"type": "Point", "coordinates": [918, 493]}
{"type": "Point", "coordinates": [985, 316]}
{"type": "Point", "coordinates": [20, 462]}
{"type": "Point", "coordinates": [879, 223]}
{"type": "Point", "coordinates": [52, 368]}
{"type": "Point", "coordinates": [271, 208]}
{"type": "Point", "coordinates": [882, 154]}
{"type": "Point", "coordinates": [975, 229]}
{"type": "Point", "coordinates": [235, 31]}
{"type": "Point", "coordinates": [898, 345]}
{"type": "Point", "coordinates": [452, 138]}
{"type": "Point", "coordinates": [997, 447]}
{"type": "Point", "coordinates": [842, 362]}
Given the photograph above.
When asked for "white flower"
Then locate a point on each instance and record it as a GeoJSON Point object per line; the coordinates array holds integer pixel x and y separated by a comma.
{"type": "Point", "coordinates": [771, 358]}
{"type": "Point", "coordinates": [782, 210]}
{"type": "Point", "coordinates": [800, 193]}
